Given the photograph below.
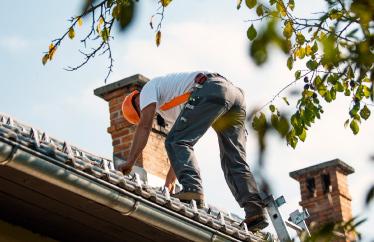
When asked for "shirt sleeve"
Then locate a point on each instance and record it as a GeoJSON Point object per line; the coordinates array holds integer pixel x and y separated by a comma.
{"type": "Point", "coordinates": [148, 95]}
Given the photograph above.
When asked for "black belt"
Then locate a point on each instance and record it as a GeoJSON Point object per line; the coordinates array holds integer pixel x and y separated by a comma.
{"type": "Point", "coordinates": [201, 77]}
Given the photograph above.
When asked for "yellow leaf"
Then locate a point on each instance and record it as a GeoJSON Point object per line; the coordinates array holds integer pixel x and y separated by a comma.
{"type": "Point", "coordinates": [300, 52]}
{"type": "Point", "coordinates": [45, 59]}
{"type": "Point", "coordinates": [71, 33]}
{"type": "Point", "coordinates": [281, 8]}
{"type": "Point", "coordinates": [165, 3]}
{"type": "Point", "coordinates": [158, 38]}
{"type": "Point", "coordinates": [98, 27]}
{"type": "Point", "coordinates": [308, 50]}
{"type": "Point", "coordinates": [80, 22]}
{"type": "Point", "coordinates": [288, 30]}
{"type": "Point", "coordinates": [52, 51]}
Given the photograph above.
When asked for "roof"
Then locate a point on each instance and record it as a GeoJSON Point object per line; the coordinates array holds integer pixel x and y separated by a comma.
{"type": "Point", "coordinates": [135, 79]}
{"type": "Point", "coordinates": [82, 193]}
{"type": "Point", "coordinates": [336, 163]}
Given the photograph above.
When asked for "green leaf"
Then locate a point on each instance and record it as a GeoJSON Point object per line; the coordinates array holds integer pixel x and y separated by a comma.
{"type": "Point", "coordinates": [282, 126]}
{"type": "Point", "coordinates": [350, 73]}
{"type": "Point", "coordinates": [291, 139]}
{"type": "Point", "coordinates": [315, 47]}
{"type": "Point", "coordinates": [300, 38]}
{"type": "Point", "coordinates": [290, 63]}
{"type": "Point", "coordinates": [333, 93]}
{"type": "Point", "coordinates": [327, 95]}
{"type": "Point", "coordinates": [335, 14]}
{"type": "Point", "coordinates": [322, 90]}
{"type": "Point", "coordinates": [259, 122]}
{"type": "Point", "coordinates": [317, 81]}
{"type": "Point", "coordinates": [71, 33]}
{"type": "Point", "coordinates": [302, 136]}
{"type": "Point", "coordinates": [354, 127]}
{"type": "Point", "coordinates": [354, 109]}
{"type": "Point", "coordinates": [251, 3]}
{"type": "Point", "coordinates": [272, 108]}
{"type": "Point", "coordinates": [125, 14]}
{"type": "Point", "coordinates": [291, 4]}
{"type": "Point", "coordinates": [339, 87]}
{"type": "Point", "coordinates": [288, 30]}
{"type": "Point", "coordinates": [312, 65]}
{"type": "Point", "coordinates": [116, 12]}
{"type": "Point", "coordinates": [274, 120]}
{"type": "Point", "coordinates": [105, 34]}
{"type": "Point", "coordinates": [297, 75]}
{"type": "Point", "coordinates": [366, 91]}
{"type": "Point", "coordinates": [165, 3]}
{"type": "Point", "coordinates": [251, 32]}
{"type": "Point", "coordinates": [238, 4]}
{"type": "Point", "coordinates": [365, 112]}
{"type": "Point", "coordinates": [260, 10]}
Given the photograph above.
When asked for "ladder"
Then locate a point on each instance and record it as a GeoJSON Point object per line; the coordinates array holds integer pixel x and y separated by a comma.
{"type": "Point", "coordinates": [296, 221]}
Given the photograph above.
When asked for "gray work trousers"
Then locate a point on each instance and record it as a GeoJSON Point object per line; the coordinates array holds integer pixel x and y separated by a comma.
{"type": "Point", "coordinates": [221, 105]}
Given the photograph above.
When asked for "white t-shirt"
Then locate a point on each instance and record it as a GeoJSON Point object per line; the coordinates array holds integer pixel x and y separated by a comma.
{"type": "Point", "coordinates": [162, 89]}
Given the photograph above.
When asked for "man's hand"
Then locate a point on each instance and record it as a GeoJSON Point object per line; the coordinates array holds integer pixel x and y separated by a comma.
{"type": "Point", "coordinates": [126, 167]}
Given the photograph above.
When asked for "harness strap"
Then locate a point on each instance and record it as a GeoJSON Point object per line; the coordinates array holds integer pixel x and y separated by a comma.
{"type": "Point", "coordinates": [176, 101]}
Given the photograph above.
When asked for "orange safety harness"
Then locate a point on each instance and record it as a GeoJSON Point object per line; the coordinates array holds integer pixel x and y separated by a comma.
{"type": "Point", "coordinates": [176, 101]}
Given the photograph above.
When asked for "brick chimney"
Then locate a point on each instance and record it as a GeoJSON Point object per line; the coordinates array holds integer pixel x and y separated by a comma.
{"type": "Point", "coordinates": [324, 192]}
{"type": "Point", "coordinates": [154, 159]}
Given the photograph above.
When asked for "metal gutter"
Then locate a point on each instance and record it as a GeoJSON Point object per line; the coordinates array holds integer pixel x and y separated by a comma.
{"type": "Point", "coordinates": [27, 160]}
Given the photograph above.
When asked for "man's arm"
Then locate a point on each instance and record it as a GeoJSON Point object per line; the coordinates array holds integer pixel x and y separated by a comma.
{"type": "Point", "coordinates": [170, 179]}
{"type": "Point", "coordinates": [141, 137]}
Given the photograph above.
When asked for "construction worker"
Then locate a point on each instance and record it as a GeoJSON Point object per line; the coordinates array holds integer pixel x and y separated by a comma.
{"type": "Point", "coordinates": [190, 103]}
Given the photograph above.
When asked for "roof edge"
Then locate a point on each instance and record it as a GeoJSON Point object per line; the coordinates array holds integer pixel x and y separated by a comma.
{"type": "Point", "coordinates": [106, 194]}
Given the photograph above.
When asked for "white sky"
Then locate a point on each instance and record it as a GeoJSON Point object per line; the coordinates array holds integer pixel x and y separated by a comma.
{"type": "Point", "coordinates": [196, 35]}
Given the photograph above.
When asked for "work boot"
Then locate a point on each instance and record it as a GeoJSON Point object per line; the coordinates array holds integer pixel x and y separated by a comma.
{"type": "Point", "coordinates": [187, 197]}
{"type": "Point", "coordinates": [255, 217]}
{"type": "Point", "coordinates": [256, 222]}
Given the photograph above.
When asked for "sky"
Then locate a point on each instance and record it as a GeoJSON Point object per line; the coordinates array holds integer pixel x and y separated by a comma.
{"type": "Point", "coordinates": [196, 35]}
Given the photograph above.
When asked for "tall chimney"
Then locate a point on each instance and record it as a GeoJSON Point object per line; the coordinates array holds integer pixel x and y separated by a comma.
{"type": "Point", "coordinates": [154, 159]}
{"type": "Point", "coordinates": [325, 193]}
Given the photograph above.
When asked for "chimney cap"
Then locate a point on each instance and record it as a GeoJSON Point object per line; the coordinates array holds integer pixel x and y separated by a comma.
{"type": "Point", "coordinates": [131, 80]}
{"type": "Point", "coordinates": [337, 163]}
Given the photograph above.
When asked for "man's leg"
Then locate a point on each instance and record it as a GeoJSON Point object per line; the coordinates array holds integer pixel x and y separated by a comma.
{"type": "Point", "coordinates": [231, 133]}
{"type": "Point", "coordinates": [187, 130]}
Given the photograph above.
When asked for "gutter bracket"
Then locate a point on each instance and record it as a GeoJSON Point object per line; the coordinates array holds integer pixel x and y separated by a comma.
{"type": "Point", "coordinates": [133, 209]}
{"type": "Point", "coordinates": [11, 155]}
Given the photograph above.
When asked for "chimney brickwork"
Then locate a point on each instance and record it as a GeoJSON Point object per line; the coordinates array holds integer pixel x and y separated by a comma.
{"type": "Point", "coordinates": [325, 194]}
{"type": "Point", "coordinates": [154, 158]}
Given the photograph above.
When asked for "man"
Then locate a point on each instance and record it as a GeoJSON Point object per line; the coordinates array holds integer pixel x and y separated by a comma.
{"type": "Point", "coordinates": [190, 103]}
